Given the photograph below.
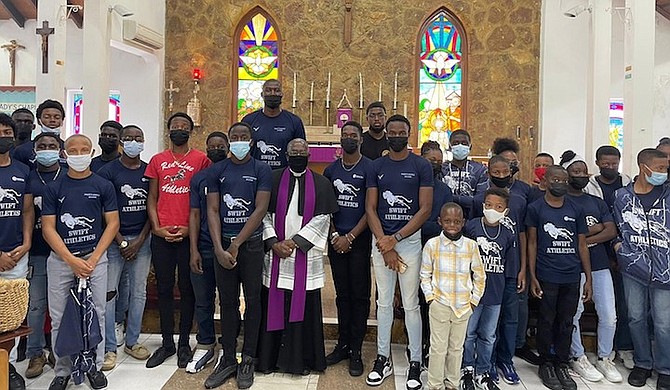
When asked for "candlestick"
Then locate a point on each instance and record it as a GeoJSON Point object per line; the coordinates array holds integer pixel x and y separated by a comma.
{"type": "Point", "coordinates": [380, 91]}
{"type": "Point", "coordinates": [295, 83]}
{"type": "Point", "coordinates": [404, 109]}
{"type": "Point", "coordinates": [360, 90]}
{"type": "Point", "coordinates": [328, 92]}
{"type": "Point", "coordinates": [311, 92]}
{"type": "Point", "coordinates": [395, 92]}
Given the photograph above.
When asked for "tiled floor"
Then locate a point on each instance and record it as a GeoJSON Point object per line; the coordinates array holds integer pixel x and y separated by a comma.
{"type": "Point", "coordinates": [130, 374]}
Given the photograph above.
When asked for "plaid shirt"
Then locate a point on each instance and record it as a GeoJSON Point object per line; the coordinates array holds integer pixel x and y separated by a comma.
{"type": "Point", "coordinates": [452, 272]}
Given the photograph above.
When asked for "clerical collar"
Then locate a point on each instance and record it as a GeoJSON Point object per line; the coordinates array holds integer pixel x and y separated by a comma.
{"type": "Point", "coordinates": [295, 174]}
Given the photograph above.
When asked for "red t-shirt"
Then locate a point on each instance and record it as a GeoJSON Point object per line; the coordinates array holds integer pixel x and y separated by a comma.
{"type": "Point", "coordinates": [173, 173]}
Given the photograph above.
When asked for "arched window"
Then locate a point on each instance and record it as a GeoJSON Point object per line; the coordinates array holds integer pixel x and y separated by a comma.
{"type": "Point", "coordinates": [442, 67]}
{"type": "Point", "coordinates": [258, 55]}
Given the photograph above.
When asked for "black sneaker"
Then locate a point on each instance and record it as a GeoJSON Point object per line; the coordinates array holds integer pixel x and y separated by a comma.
{"type": "Point", "coordinates": [159, 356]}
{"type": "Point", "coordinates": [59, 383]}
{"type": "Point", "coordinates": [413, 376]}
{"type": "Point", "coordinates": [564, 377]}
{"type": "Point", "coordinates": [200, 359]}
{"type": "Point", "coordinates": [339, 353]}
{"type": "Point", "coordinates": [97, 379]}
{"type": "Point", "coordinates": [21, 351]}
{"type": "Point", "coordinates": [638, 377]}
{"type": "Point", "coordinates": [528, 355]}
{"type": "Point", "coordinates": [245, 373]}
{"type": "Point", "coordinates": [184, 356]}
{"type": "Point", "coordinates": [223, 370]}
{"type": "Point", "coordinates": [663, 382]}
{"type": "Point", "coordinates": [484, 382]}
{"type": "Point", "coordinates": [382, 369]}
{"type": "Point", "coordinates": [355, 364]}
{"type": "Point", "coordinates": [548, 376]}
{"type": "Point", "coordinates": [467, 379]}
{"type": "Point", "coordinates": [15, 380]}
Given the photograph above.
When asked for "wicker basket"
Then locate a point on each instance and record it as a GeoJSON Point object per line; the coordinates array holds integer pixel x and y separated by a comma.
{"type": "Point", "coordinates": [13, 303]}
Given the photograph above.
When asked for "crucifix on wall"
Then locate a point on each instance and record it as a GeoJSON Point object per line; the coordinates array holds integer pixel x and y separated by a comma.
{"type": "Point", "coordinates": [348, 5]}
{"type": "Point", "coordinates": [12, 47]}
{"type": "Point", "coordinates": [45, 31]}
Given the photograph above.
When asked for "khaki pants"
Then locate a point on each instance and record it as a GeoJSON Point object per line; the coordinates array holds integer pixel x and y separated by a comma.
{"type": "Point", "coordinates": [447, 335]}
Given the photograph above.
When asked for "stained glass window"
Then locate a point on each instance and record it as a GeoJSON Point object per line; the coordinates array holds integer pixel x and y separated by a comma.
{"type": "Point", "coordinates": [616, 124]}
{"type": "Point", "coordinates": [440, 79]}
{"type": "Point", "coordinates": [258, 60]}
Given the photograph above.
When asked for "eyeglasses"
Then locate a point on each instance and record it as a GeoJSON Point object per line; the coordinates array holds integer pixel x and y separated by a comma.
{"type": "Point", "coordinates": [128, 138]}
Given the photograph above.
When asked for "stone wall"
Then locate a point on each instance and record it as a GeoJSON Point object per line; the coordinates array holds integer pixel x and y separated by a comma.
{"type": "Point", "coordinates": [503, 40]}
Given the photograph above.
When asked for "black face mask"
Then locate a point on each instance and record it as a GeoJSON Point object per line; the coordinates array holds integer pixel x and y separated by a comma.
{"type": "Point", "coordinates": [272, 101]}
{"type": "Point", "coordinates": [6, 144]}
{"type": "Point", "coordinates": [437, 170]}
{"type": "Point", "coordinates": [558, 189]}
{"type": "Point", "coordinates": [453, 237]}
{"type": "Point", "coordinates": [579, 183]}
{"type": "Point", "coordinates": [108, 145]}
{"type": "Point", "coordinates": [349, 145]}
{"type": "Point", "coordinates": [609, 173]}
{"type": "Point", "coordinates": [179, 137]}
{"type": "Point", "coordinates": [514, 167]}
{"type": "Point", "coordinates": [397, 144]}
{"type": "Point", "coordinates": [298, 164]}
{"type": "Point", "coordinates": [501, 182]}
{"type": "Point", "coordinates": [216, 155]}
{"type": "Point", "coordinates": [23, 131]}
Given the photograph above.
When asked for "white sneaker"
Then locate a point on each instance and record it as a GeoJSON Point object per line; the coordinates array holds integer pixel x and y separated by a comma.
{"type": "Point", "coordinates": [626, 358]}
{"type": "Point", "coordinates": [120, 332]}
{"type": "Point", "coordinates": [607, 368]}
{"type": "Point", "coordinates": [200, 359]}
{"type": "Point", "coordinates": [585, 369]}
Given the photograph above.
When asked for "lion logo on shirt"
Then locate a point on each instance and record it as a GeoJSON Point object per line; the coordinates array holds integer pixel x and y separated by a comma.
{"type": "Point", "coordinates": [488, 247]}
{"type": "Point", "coordinates": [267, 148]}
{"type": "Point", "coordinates": [556, 232]}
{"type": "Point", "coordinates": [8, 193]}
{"type": "Point", "coordinates": [233, 203]}
{"type": "Point", "coordinates": [396, 200]}
{"type": "Point", "coordinates": [71, 221]}
{"type": "Point", "coordinates": [132, 193]}
{"type": "Point", "coordinates": [345, 188]}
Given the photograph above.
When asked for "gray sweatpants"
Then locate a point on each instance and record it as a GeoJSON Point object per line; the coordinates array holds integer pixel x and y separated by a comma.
{"type": "Point", "coordinates": [61, 279]}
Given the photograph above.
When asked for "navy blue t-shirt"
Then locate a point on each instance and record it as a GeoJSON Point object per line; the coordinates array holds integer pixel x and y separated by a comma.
{"type": "Point", "coordinates": [609, 190]}
{"type": "Point", "coordinates": [272, 134]}
{"type": "Point", "coordinates": [441, 195]}
{"type": "Point", "coordinates": [198, 200]}
{"type": "Point", "coordinates": [79, 206]}
{"type": "Point", "coordinates": [497, 245]}
{"type": "Point", "coordinates": [14, 185]}
{"type": "Point", "coordinates": [38, 184]}
{"type": "Point", "coordinates": [98, 163]}
{"type": "Point", "coordinates": [131, 195]}
{"type": "Point", "coordinates": [535, 194]}
{"type": "Point", "coordinates": [349, 185]}
{"type": "Point", "coordinates": [515, 219]}
{"type": "Point", "coordinates": [237, 185]}
{"type": "Point", "coordinates": [398, 183]}
{"type": "Point", "coordinates": [558, 231]}
{"type": "Point", "coordinates": [595, 211]}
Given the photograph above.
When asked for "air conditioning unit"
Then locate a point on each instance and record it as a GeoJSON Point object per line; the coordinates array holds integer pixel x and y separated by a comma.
{"type": "Point", "coordinates": [142, 35]}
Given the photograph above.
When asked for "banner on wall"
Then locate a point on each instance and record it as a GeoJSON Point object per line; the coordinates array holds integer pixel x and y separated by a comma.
{"type": "Point", "coordinates": [13, 98]}
{"type": "Point", "coordinates": [616, 124]}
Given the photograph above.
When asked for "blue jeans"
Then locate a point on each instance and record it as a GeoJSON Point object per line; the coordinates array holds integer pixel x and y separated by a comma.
{"type": "Point", "coordinates": [410, 251]}
{"type": "Point", "coordinates": [122, 296]}
{"type": "Point", "coordinates": [603, 298]}
{"type": "Point", "coordinates": [204, 288]}
{"type": "Point", "coordinates": [507, 327]}
{"type": "Point", "coordinates": [640, 299]}
{"type": "Point", "coordinates": [138, 271]}
{"type": "Point", "coordinates": [481, 338]}
{"type": "Point", "coordinates": [38, 306]}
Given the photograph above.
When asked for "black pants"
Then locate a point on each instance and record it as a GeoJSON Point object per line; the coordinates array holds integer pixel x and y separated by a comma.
{"type": "Point", "coordinates": [554, 324]}
{"type": "Point", "coordinates": [351, 274]}
{"type": "Point", "coordinates": [165, 257]}
{"type": "Point", "coordinates": [249, 272]}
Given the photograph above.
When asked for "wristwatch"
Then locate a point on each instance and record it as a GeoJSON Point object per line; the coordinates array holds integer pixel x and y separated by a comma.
{"type": "Point", "coordinates": [398, 237]}
{"type": "Point", "coordinates": [124, 244]}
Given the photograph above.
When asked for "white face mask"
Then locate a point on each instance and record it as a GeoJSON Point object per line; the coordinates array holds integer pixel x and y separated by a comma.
{"type": "Point", "coordinates": [494, 216]}
{"type": "Point", "coordinates": [79, 163]}
{"type": "Point", "coordinates": [50, 130]}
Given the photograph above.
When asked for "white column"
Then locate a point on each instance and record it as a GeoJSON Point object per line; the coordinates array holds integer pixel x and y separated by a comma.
{"type": "Point", "coordinates": [598, 79]}
{"type": "Point", "coordinates": [639, 43]}
{"type": "Point", "coordinates": [96, 67]}
{"type": "Point", "coordinates": [51, 85]}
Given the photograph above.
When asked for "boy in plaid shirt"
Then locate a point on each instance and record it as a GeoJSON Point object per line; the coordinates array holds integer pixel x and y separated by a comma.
{"type": "Point", "coordinates": [453, 280]}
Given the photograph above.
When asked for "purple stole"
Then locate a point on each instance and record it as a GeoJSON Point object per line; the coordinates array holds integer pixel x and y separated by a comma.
{"type": "Point", "coordinates": [276, 296]}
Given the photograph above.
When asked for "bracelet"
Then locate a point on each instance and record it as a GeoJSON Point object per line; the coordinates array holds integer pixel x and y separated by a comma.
{"type": "Point", "coordinates": [334, 234]}
{"type": "Point", "coordinates": [352, 236]}
{"type": "Point", "coordinates": [348, 239]}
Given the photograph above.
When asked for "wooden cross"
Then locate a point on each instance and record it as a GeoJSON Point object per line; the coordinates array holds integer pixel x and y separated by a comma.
{"type": "Point", "coordinates": [45, 31]}
{"type": "Point", "coordinates": [170, 91]}
{"type": "Point", "coordinates": [12, 47]}
{"type": "Point", "coordinates": [348, 5]}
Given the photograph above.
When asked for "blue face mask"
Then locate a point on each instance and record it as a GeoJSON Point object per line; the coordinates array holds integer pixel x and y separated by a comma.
{"type": "Point", "coordinates": [133, 148]}
{"type": "Point", "coordinates": [240, 149]}
{"type": "Point", "coordinates": [460, 152]}
{"type": "Point", "coordinates": [656, 178]}
{"type": "Point", "coordinates": [47, 158]}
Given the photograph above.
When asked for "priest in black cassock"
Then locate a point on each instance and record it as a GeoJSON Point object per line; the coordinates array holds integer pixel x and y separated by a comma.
{"type": "Point", "coordinates": [295, 232]}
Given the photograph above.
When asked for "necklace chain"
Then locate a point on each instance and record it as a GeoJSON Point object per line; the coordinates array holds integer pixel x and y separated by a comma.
{"type": "Point", "coordinates": [487, 233]}
{"type": "Point", "coordinates": [353, 166]}
{"type": "Point", "coordinates": [42, 179]}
